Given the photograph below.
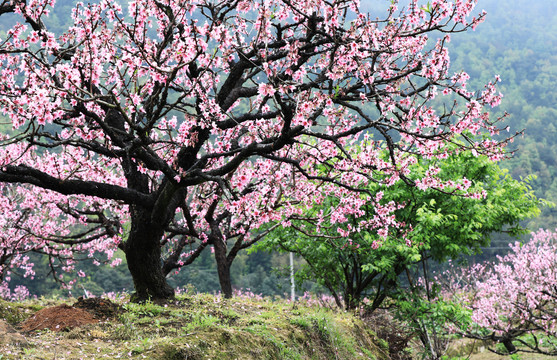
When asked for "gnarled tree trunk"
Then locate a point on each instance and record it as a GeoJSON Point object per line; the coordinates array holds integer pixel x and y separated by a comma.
{"type": "Point", "coordinates": [143, 254]}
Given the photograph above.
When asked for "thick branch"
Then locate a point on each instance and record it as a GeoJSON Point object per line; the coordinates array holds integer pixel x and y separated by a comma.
{"type": "Point", "coordinates": [27, 175]}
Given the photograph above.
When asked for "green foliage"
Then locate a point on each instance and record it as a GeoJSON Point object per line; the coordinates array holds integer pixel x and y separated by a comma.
{"type": "Point", "coordinates": [437, 313]}
{"type": "Point", "coordinates": [444, 226]}
{"type": "Point", "coordinates": [427, 316]}
{"type": "Point", "coordinates": [450, 226]}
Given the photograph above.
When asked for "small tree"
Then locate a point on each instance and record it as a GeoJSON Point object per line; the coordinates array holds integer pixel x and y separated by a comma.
{"type": "Point", "coordinates": [513, 300]}
{"type": "Point", "coordinates": [233, 217]}
{"type": "Point", "coordinates": [117, 120]}
{"type": "Point", "coordinates": [443, 221]}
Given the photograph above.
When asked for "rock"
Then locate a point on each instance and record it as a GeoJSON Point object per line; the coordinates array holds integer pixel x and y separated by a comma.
{"type": "Point", "coordinates": [10, 336]}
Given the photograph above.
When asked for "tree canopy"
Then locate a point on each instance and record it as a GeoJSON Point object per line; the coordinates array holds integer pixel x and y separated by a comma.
{"type": "Point", "coordinates": [354, 263]}
{"type": "Point", "coordinates": [124, 114]}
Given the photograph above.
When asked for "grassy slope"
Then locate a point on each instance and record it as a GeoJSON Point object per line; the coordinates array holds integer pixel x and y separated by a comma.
{"type": "Point", "coordinates": [202, 327]}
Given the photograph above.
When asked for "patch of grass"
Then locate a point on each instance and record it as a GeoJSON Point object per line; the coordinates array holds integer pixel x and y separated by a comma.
{"type": "Point", "coordinates": [147, 308]}
{"type": "Point", "coordinates": [14, 313]}
{"type": "Point", "coordinates": [200, 321]}
{"type": "Point", "coordinates": [208, 327]}
{"type": "Point", "coordinates": [301, 322]}
{"type": "Point", "coordinates": [171, 352]}
{"type": "Point", "coordinates": [90, 332]}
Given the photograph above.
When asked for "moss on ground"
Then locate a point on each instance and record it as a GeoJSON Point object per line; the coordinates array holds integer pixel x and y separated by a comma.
{"type": "Point", "coordinates": [202, 327]}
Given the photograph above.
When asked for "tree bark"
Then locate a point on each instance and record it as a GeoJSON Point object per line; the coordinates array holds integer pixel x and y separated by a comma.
{"type": "Point", "coordinates": [223, 267]}
{"type": "Point", "coordinates": [143, 254]}
{"type": "Point", "coordinates": [508, 343]}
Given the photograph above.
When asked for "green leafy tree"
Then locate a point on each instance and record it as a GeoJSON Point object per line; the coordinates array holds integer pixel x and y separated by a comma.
{"type": "Point", "coordinates": [440, 223]}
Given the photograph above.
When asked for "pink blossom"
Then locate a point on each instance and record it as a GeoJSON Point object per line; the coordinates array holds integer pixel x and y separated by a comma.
{"type": "Point", "coordinates": [248, 122]}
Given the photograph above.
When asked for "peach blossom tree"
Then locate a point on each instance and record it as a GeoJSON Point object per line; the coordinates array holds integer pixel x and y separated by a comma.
{"type": "Point", "coordinates": [512, 301]}
{"type": "Point", "coordinates": [125, 126]}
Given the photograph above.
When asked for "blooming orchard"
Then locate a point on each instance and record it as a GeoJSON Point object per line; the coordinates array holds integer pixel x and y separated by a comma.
{"type": "Point", "coordinates": [513, 300]}
{"type": "Point", "coordinates": [128, 126]}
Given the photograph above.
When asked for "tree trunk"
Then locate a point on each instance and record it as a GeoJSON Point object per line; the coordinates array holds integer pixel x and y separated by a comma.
{"type": "Point", "coordinates": [143, 254]}
{"type": "Point", "coordinates": [508, 343]}
{"type": "Point", "coordinates": [351, 293]}
{"type": "Point", "coordinates": [351, 300]}
{"type": "Point", "coordinates": [223, 268]}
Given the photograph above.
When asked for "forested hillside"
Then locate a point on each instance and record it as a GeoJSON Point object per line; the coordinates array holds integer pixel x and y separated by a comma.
{"type": "Point", "coordinates": [518, 41]}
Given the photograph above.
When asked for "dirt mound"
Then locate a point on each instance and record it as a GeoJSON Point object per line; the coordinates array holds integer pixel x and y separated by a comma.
{"type": "Point", "coordinates": [58, 318]}
{"type": "Point", "coordinates": [101, 309]}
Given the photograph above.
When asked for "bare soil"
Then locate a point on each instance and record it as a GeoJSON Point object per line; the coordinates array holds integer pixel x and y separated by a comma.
{"type": "Point", "coordinates": [64, 317]}
{"type": "Point", "coordinates": [101, 309]}
{"type": "Point", "coordinates": [58, 318]}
